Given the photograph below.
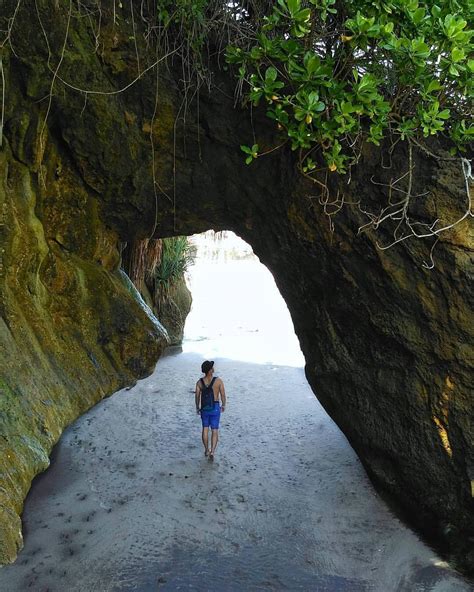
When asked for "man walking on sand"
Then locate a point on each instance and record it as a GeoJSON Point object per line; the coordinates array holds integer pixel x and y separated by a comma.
{"type": "Point", "coordinates": [209, 390]}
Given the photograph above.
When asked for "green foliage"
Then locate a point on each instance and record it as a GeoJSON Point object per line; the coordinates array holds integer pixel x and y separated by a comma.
{"type": "Point", "coordinates": [336, 74]}
{"type": "Point", "coordinates": [252, 153]}
{"type": "Point", "coordinates": [183, 12]}
{"type": "Point", "coordinates": [176, 256]}
{"type": "Point", "coordinates": [184, 25]}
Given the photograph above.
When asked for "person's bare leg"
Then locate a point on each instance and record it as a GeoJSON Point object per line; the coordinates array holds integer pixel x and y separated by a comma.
{"type": "Point", "coordinates": [214, 440]}
{"type": "Point", "coordinates": [205, 439]}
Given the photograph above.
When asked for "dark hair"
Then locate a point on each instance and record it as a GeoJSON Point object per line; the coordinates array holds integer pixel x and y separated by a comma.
{"type": "Point", "coordinates": [206, 366]}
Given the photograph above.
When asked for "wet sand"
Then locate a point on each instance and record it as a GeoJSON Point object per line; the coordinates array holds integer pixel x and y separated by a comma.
{"type": "Point", "coordinates": [131, 504]}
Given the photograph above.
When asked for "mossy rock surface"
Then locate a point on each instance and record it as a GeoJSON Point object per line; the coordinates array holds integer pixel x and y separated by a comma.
{"type": "Point", "coordinates": [173, 311]}
{"type": "Point", "coordinates": [71, 331]}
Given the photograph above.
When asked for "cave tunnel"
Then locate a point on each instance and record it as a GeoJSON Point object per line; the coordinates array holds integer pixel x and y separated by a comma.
{"type": "Point", "coordinates": [129, 477]}
{"type": "Point", "coordinates": [387, 340]}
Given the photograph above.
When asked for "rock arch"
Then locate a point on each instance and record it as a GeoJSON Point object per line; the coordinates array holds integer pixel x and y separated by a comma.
{"type": "Point", "coordinates": [388, 343]}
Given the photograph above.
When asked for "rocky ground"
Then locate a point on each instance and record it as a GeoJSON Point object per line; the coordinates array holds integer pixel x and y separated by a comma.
{"type": "Point", "coordinates": [131, 504]}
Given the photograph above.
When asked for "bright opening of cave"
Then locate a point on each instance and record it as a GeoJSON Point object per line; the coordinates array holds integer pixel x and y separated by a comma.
{"type": "Point", "coordinates": [237, 310]}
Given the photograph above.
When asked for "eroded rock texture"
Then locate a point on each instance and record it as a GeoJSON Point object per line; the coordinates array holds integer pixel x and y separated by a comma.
{"type": "Point", "coordinates": [388, 342]}
{"type": "Point", "coordinates": [174, 310]}
{"type": "Point", "coordinates": [71, 329]}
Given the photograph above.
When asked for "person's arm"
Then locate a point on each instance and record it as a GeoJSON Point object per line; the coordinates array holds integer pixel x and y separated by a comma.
{"type": "Point", "coordinates": [198, 396]}
{"type": "Point", "coordinates": [222, 393]}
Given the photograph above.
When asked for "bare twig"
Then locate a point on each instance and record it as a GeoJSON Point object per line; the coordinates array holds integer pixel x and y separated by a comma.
{"type": "Point", "coordinates": [273, 149]}
{"type": "Point", "coordinates": [96, 34]}
{"type": "Point", "coordinates": [135, 37]}
{"type": "Point", "coordinates": [398, 211]}
{"type": "Point", "coordinates": [429, 153]}
{"type": "Point", "coordinates": [55, 74]}
{"type": "Point", "coordinates": [153, 163]}
{"type": "Point", "coordinates": [11, 22]}
{"type": "Point", "coordinates": [126, 87]}
{"type": "Point", "coordinates": [2, 119]}
{"type": "Point", "coordinates": [337, 204]}
{"type": "Point", "coordinates": [431, 264]}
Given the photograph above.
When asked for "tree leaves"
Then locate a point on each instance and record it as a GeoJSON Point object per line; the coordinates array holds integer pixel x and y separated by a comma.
{"type": "Point", "coordinates": [252, 153]}
{"type": "Point", "coordinates": [374, 67]}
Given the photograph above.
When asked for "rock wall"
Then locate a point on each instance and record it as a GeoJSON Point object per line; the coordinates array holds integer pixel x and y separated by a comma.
{"type": "Point", "coordinates": [71, 330]}
{"type": "Point", "coordinates": [387, 342]}
{"type": "Point", "coordinates": [174, 310]}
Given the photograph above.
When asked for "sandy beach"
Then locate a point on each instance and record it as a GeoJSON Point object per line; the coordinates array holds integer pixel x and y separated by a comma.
{"type": "Point", "coordinates": [131, 504]}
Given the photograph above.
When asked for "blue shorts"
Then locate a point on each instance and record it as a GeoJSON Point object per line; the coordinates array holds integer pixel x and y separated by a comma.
{"type": "Point", "coordinates": [211, 418]}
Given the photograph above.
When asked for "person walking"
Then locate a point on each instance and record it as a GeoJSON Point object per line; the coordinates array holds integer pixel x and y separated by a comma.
{"type": "Point", "coordinates": [210, 392]}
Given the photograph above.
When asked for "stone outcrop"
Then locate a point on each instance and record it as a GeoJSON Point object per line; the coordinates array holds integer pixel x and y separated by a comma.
{"type": "Point", "coordinates": [174, 310]}
{"type": "Point", "coordinates": [72, 330]}
{"type": "Point", "coordinates": [169, 300]}
{"type": "Point", "coordinates": [387, 342]}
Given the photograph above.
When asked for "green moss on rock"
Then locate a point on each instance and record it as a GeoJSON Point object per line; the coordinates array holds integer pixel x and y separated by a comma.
{"type": "Point", "coordinates": [174, 310]}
